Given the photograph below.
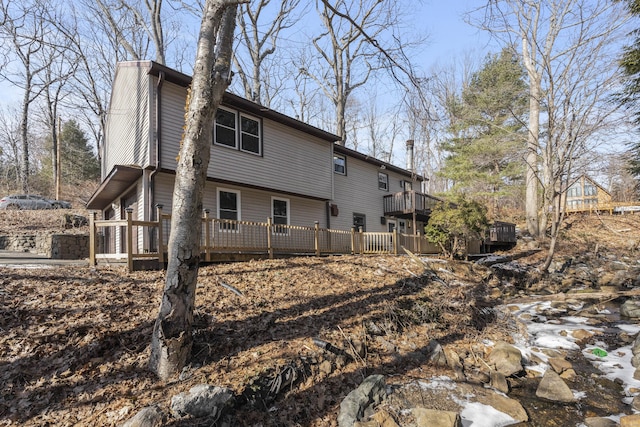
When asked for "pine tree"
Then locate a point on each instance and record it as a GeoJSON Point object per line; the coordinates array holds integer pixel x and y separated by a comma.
{"type": "Point", "coordinates": [489, 139]}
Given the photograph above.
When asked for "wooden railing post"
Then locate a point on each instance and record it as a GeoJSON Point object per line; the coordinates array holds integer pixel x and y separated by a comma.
{"type": "Point", "coordinates": [129, 212]}
{"type": "Point", "coordinates": [396, 241]}
{"type": "Point", "coordinates": [316, 235]}
{"type": "Point", "coordinates": [269, 246]}
{"type": "Point", "coordinates": [361, 238]}
{"type": "Point", "coordinates": [353, 240]}
{"type": "Point", "coordinates": [92, 239]}
{"type": "Point", "coordinates": [207, 236]}
{"type": "Point", "coordinates": [160, 236]}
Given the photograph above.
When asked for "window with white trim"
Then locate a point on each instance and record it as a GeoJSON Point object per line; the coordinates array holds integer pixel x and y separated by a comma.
{"type": "Point", "coordinates": [238, 131]}
{"type": "Point", "coordinates": [339, 164]}
{"type": "Point", "coordinates": [383, 181]}
{"type": "Point", "coordinates": [280, 215]}
{"type": "Point", "coordinates": [229, 208]}
{"type": "Point", "coordinates": [360, 221]}
{"type": "Point", "coordinates": [225, 128]}
{"type": "Point", "coordinates": [250, 134]}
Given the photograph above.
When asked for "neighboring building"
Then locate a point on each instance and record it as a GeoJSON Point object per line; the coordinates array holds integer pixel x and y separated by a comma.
{"type": "Point", "coordinates": [584, 194]}
{"type": "Point", "coordinates": [263, 163]}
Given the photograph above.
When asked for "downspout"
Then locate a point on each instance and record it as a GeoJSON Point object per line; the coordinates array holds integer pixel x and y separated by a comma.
{"type": "Point", "coordinates": [158, 134]}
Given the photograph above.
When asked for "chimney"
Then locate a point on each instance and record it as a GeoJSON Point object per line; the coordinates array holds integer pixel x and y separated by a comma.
{"type": "Point", "coordinates": [410, 164]}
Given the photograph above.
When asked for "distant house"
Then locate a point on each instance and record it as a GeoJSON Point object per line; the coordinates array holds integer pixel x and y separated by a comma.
{"type": "Point", "coordinates": [584, 194]}
{"type": "Point", "coordinates": [263, 164]}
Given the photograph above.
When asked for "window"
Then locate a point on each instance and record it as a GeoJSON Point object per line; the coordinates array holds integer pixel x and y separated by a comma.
{"type": "Point", "coordinates": [574, 191]}
{"type": "Point", "coordinates": [383, 181]}
{"type": "Point", "coordinates": [280, 215]}
{"type": "Point", "coordinates": [228, 208]}
{"type": "Point", "coordinates": [249, 135]}
{"type": "Point", "coordinates": [225, 128]}
{"type": "Point", "coordinates": [590, 190]}
{"type": "Point", "coordinates": [406, 185]}
{"type": "Point", "coordinates": [226, 131]}
{"type": "Point", "coordinates": [339, 164]}
{"type": "Point", "coordinates": [360, 221]}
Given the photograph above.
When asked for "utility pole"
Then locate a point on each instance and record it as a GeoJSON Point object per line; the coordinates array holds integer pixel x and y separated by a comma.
{"type": "Point", "coordinates": [58, 157]}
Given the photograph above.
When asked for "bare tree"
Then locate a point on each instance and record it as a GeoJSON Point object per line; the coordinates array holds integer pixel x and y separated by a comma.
{"type": "Point", "coordinates": [172, 338]}
{"type": "Point", "coordinates": [259, 28]}
{"type": "Point", "coordinates": [569, 52]}
{"type": "Point", "coordinates": [347, 51]}
{"type": "Point", "coordinates": [25, 34]}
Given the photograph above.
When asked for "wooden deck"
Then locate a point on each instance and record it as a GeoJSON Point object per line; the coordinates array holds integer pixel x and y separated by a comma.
{"type": "Point", "coordinates": [405, 203]}
{"type": "Point", "coordinates": [610, 208]}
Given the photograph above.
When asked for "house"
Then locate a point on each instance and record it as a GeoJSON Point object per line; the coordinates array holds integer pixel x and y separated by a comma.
{"type": "Point", "coordinates": [584, 194]}
{"type": "Point", "coordinates": [263, 164]}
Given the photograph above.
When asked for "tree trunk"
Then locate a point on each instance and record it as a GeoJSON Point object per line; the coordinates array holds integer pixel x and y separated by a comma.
{"type": "Point", "coordinates": [172, 333]}
{"type": "Point", "coordinates": [531, 179]}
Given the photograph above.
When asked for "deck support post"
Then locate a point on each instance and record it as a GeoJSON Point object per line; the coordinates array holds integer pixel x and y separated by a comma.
{"type": "Point", "coordinates": [129, 212]}
{"type": "Point", "coordinates": [160, 235]}
{"type": "Point", "coordinates": [92, 239]}
{"type": "Point", "coordinates": [207, 235]}
{"type": "Point", "coordinates": [316, 235]}
{"type": "Point", "coordinates": [269, 229]}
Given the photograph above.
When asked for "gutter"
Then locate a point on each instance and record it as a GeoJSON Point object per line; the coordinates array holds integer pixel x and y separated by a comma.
{"type": "Point", "coordinates": [158, 137]}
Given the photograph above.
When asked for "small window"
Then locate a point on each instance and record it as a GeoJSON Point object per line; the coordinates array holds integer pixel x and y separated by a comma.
{"type": "Point", "coordinates": [590, 190]}
{"type": "Point", "coordinates": [229, 208]}
{"type": "Point", "coordinates": [250, 135]}
{"type": "Point", "coordinates": [280, 215]}
{"type": "Point", "coordinates": [360, 221]}
{"type": "Point", "coordinates": [406, 185]}
{"type": "Point", "coordinates": [339, 164]}
{"type": "Point", "coordinates": [225, 128]}
{"type": "Point", "coordinates": [383, 181]}
{"type": "Point", "coordinates": [574, 191]}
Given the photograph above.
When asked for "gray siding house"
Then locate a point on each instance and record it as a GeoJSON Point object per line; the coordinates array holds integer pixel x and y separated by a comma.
{"type": "Point", "coordinates": [263, 163]}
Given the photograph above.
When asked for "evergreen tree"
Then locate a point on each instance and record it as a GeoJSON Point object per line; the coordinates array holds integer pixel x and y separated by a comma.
{"type": "Point", "coordinates": [631, 95]}
{"type": "Point", "coordinates": [78, 160]}
{"type": "Point", "coordinates": [486, 151]}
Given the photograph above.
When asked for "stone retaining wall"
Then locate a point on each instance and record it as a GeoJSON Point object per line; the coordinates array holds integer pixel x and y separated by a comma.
{"type": "Point", "coordinates": [54, 246]}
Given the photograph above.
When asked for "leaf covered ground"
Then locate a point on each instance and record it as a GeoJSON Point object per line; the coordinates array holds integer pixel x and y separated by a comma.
{"type": "Point", "coordinates": [74, 341]}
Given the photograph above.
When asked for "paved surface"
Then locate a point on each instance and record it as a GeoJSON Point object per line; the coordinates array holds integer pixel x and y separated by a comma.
{"type": "Point", "coordinates": [26, 259]}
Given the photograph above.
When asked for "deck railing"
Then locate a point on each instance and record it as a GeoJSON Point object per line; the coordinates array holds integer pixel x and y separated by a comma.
{"type": "Point", "coordinates": [221, 236]}
{"type": "Point", "coordinates": [406, 202]}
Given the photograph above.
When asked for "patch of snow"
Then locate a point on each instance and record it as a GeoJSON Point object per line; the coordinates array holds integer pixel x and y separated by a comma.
{"type": "Point", "coordinates": [438, 383]}
{"type": "Point", "coordinates": [476, 414]}
{"type": "Point", "coordinates": [630, 329]}
{"type": "Point", "coordinates": [616, 364]}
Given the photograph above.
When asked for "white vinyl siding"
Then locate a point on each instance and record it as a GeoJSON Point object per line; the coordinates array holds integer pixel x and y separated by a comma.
{"type": "Point", "coordinates": [128, 128]}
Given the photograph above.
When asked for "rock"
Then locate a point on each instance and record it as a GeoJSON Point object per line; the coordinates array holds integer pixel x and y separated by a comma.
{"type": "Point", "coordinates": [630, 421]}
{"type": "Point", "coordinates": [499, 382]}
{"type": "Point", "coordinates": [384, 419]}
{"type": "Point", "coordinates": [434, 418]}
{"type": "Point", "coordinates": [370, 391]}
{"type": "Point", "coordinates": [635, 347]}
{"type": "Point", "coordinates": [599, 422]}
{"type": "Point", "coordinates": [630, 308]}
{"type": "Point", "coordinates": [635, 403]}
{"type": "Point", "coordinates": [581, 335]}
{"type": "Point", "coordinates": [202, 400]}
{"type": "Point", "coordinates": [151, 416]}
{"type": "Point", "coordinates": [569, 375]}
{"type": "Point", "coordinates": [553, 388]}
{"type": "Point", "coordinates": [436, 353]}
{"type": "Point", "coordinates": [506, 359]}
{"type": "Point", "coordinates": [559, 364]}
{"type": "Point", "coordinates": [635, 360]}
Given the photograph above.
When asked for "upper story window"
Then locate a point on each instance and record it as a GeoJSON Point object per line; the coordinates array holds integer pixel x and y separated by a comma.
{"type": "Point", "coordinates": [339, 164]}
{"type": "Point", "coordinates": [383, 181]}
{"type": "Point", "coordinates": [225, 128]}
{"type": "Point", "coordinates": [247, 139]}
{"type": "Point", "coordinates": [590, 190]}
{"type": "Point", "coordinates": [574, 191]}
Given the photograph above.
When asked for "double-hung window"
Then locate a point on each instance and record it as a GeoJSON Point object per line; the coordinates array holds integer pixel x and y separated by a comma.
{"type": "Point", "coordinates": [383, 181]}
{"type": "Point", "coordinates": [238, 131]}
{"type": "Point", "coordinates": [280, 215]}
{"type": "Point", "coordinates": [229, 208]}
{"type": "Point", "coordinates": [339, 164]}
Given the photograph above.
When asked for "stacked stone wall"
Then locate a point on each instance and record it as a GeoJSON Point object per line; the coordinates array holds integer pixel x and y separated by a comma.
{"type": "Point", "coordinates": [55, 246]}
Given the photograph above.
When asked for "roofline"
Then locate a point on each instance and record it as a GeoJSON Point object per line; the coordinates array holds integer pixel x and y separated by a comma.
{"type": "Point", "coordinates": [379, 163]}
{"type": "Point", "coordinates": [232, 100]}
{"type": "Point", "coordinates": [584, 175]}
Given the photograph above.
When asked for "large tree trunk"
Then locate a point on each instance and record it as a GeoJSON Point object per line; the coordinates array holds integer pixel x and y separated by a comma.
{"type": "Point", "coordinates": [172, 333]}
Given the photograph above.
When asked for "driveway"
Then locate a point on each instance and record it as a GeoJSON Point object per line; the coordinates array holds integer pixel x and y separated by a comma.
{"type": "Point", "coordinates": [28, 259]}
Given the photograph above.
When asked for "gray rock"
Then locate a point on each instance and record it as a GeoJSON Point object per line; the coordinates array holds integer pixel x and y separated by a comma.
{"type": "Point", "coordinates": [433, 418]}
{"type": "Point", "coordinates": [370, 391]}
{"type": "Point", "coordinates": [599, 422]}
{"type": "Point", "coordinates": [635, 347]}
{"type": "Point", "coordinates": [635, 360]}
{"type": "Point", "coordinates": [436, 353]}
{"type": "Point", "coordinates": [499, 382]}
{"type": "Point", "coordinates": [506, 359]}
{"type": "Point", "coordinates": [151, 416]}
{"type": "Point", "coordinates": [202, 400]}
{"type": "Point", "coordinates": [553, 388]}
{"type": "Point", "coordinates": [635, 403]}
{"type": "Point", "coordinates": [630, 308]}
